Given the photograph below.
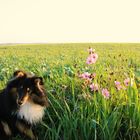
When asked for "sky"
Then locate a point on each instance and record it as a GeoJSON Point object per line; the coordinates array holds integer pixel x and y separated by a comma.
{"type": "Point", "coordinates": [66, 21]}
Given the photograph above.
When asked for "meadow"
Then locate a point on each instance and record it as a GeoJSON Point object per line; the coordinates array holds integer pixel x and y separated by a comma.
{"type": "Point", "coordinates": [95, 99]}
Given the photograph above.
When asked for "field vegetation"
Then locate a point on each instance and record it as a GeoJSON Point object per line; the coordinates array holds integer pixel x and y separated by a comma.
{"type": "Point", "coordinates": [93, 94]}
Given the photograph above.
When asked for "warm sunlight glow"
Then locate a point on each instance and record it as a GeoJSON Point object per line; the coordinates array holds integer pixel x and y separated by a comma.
{"type": "Point", "coordinates": [54, 21]}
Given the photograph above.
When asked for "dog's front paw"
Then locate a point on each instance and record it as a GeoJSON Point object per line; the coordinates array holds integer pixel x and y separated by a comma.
{"type": "Point", "coordinates": [35, 138]}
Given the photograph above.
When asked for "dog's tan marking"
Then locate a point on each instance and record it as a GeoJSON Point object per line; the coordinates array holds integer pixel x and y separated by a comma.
{"type": "Point", "coordinates": [24, 130]}
{"type": "Point", "coordinates": [6, 128]}
{"type": "Point", "coordinates": [25, 99]}
{"type": "Point", "coordinates": [20, 74]}
{"type": "Point", "coordinates": [39, 87]}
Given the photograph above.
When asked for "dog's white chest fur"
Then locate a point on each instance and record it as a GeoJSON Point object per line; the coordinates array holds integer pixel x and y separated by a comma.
{"type": "Point", "coordinates": [31, 112]}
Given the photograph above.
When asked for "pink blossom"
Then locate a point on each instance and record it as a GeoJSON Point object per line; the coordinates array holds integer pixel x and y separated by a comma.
{"type": "Point", "coordinates": [127, 81]}
{"type": "Point", "coordinates": [94, 87]}
{"type": "Point", "coordinates": [105, 93]}
{"type": "Point", "coordinates": [92, 58]}
{"type": "Point", "coordinates": [118, 85]}
{"type": "Point", "coordinates": [85, 75]}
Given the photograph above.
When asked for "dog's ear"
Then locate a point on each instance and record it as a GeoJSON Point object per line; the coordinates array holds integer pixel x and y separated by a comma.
{"type": "Point", "coordinates": [16, 79]}
{"type": "Point", "coordinates": [19, 73]}
{"type": "Point", "coordinates": [15, 82]}
{"type": "Point", "coordinates": [38, 83]}
{"type": "Point", "coordinates": [38, 80]}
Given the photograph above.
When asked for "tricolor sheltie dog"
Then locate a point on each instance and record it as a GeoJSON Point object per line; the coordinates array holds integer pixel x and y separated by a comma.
{"type": "Point", "coordinates": [22, 105]}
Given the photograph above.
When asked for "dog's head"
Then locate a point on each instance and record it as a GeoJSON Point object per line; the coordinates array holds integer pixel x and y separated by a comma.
{"type": "Point", "coordinates": [32, 90]}
{"type": "Point", "coordinates": [29, 88]}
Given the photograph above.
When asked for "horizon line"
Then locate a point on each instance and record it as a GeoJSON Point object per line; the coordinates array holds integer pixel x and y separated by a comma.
{"type": "Point", "coordinates": [18, 43]}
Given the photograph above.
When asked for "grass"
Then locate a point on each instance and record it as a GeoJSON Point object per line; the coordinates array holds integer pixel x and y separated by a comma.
{"type": "Point", "coordinates": [76, 112]}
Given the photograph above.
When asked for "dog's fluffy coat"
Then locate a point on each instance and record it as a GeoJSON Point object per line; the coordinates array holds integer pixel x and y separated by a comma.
{"type": "Point", "coordinates": [22, 105]}
{"type": "Point", "coordinates": [31, 112]}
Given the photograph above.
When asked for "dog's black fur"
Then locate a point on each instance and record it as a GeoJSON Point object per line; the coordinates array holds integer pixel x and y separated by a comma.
{"type": "Point", "coordinates": [8, 105]}
{"type": "Point", "coordinates": [22, 90]}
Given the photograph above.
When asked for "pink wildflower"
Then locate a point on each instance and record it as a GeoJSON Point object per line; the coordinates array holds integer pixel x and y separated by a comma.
{"type": "Point", "coordinates": [94, 87]}
{"type": "Point", "coordinates": [105, 93]}
{"type": "Point", "coordinates": [127, 81]}
{"type": "Point", "coordinates": [118, 85]}
{"type": "Point", "coordinates": [85, 75]}
{"type": "Point", "coordinates": [92, 58]}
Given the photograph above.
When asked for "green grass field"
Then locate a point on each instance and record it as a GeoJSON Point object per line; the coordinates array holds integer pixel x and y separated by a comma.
{"type": "Point", "coordinates": [76, 112]}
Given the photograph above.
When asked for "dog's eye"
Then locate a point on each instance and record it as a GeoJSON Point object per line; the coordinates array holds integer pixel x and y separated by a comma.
{"type": "Point", "coordinates": [41, 83]}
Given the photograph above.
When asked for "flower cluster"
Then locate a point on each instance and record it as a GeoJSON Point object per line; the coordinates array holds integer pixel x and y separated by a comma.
{"type": "Point", "coordinates": [92, 58]}
{"type": "Point", "coordinates": [105, 93]}
{"type": "Point", "coordinates": [127, 81]}
{"type": "Point", "coordinates": [118, 85]}
{"type": "Point", "coordinates": [85, 75]}
{"type": "Point", "coordinates": [93, 86]}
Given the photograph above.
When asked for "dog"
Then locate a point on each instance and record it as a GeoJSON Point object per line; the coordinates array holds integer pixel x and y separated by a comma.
{"type": "Point", "coordinates": [26, 98]}
{"type": "Point", "coordinates": [8, 105]}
